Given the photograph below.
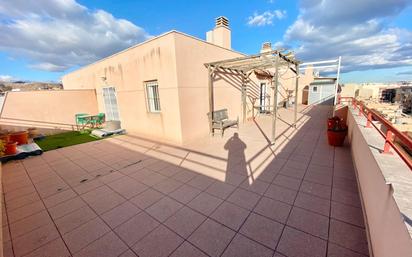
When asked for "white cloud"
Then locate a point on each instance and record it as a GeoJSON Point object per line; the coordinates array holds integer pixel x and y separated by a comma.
{"type": "Point", "coordinates": [266, 18]}
{"type": "Point", "coordinates": [356, 30]}
{"type": "Point", "coordinates": [6, 78]}
{"type": "Point", "coordinates": [57, 35]}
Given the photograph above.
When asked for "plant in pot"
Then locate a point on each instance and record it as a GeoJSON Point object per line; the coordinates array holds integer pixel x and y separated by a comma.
{"type": "Point", "coordinates": [337, 131]}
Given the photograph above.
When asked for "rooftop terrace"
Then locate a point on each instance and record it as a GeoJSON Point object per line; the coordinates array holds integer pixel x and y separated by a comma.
{"type": "Point", "coordinates": [235, 195]}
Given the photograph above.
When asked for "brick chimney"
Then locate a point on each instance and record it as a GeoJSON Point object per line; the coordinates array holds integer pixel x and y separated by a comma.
{"type": "Point", "coordinates": [221, 34]}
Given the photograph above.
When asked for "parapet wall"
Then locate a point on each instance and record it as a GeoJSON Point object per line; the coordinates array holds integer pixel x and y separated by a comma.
{"type": "Point", "coordinates": [385, 185]}
{"type": "Point", "coordinates": [46, 109]}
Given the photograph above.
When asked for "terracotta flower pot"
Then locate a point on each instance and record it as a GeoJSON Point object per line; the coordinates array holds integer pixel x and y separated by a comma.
{"type": "Point", "coordinates": [10, 148]}
{"type": "Point", "coordinates": [21, 137]}
{"type": "Point", "coordinates": [336, 138]}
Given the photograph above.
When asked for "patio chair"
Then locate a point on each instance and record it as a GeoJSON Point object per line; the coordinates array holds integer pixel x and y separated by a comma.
{"type": "Point", "coordinates": [98, 120]}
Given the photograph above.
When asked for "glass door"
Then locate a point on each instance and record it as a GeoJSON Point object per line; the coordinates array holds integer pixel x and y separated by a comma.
{"type": "Point", "coordinates": [110, 103]}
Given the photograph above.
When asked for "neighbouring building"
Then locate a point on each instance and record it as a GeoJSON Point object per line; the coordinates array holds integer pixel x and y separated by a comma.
{"type": "Point", "coordinates": [159, 88]}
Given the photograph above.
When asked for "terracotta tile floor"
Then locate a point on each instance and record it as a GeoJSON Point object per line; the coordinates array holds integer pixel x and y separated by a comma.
{"type": "Point", "coordinates": [219, 196]}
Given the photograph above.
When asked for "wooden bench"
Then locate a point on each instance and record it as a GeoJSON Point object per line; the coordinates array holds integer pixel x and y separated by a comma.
{"type": "Point", "coordinates": [220, 120]}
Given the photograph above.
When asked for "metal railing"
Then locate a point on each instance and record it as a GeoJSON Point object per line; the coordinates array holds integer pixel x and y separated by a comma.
{"type": "Point", "coordinates": [390, 132]}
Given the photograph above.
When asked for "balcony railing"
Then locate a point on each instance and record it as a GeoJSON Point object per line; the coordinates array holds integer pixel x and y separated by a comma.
{"type": "Point", "coordinates": [389, 132]}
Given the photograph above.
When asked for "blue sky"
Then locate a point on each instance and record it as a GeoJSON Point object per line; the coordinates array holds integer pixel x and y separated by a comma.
{"type": "Point", "coordinates": [45, 39]}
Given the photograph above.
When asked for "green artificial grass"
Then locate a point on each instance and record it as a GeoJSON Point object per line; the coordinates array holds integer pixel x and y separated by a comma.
{"type": "Point", "coordinates": [64, 139]}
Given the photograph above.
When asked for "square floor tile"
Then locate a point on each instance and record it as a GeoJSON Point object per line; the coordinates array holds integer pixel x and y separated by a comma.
{"type": "Point", "coordinates": [185, 193]}
{"type": "Point", "coordinates": [295, 243]}
{"type": "Point", "coordinates": [287, 182]}
{"type": "Point", "coordinates": [85, 234]}
{"type": "Point", "coordinates": [136, 228]}
{"type": "Point", "coordinates": [187, 250]}
{"type": "Point", "coordinates": [281, 194]}
{"type": "Point", "coordinates": [262, 230]}
{"type": "Point", "coordinates": [244, 198]}
{"type": "Point", "coordinates": [316, 189]}
{"type": "Point", "coordinates": [59, 198]}
{"type": "Point", "coordinates": [146, 198]}
{"type": "Point", "coordinates": [55, 248]}
{"type": "Point", "coordinates": [185, 221]}
{"type": "Point", "coordinates": [313, 203]}
{"type": "Point", "coordinates": [205, 203]}
{"type": "Point", "coordinates": [107, 246]}
{"type": "Point", "coordinates": [164, 208]}
{"type": "Point", "coordinates": [97, 193]}
{"type": "Point", "coordinates": [120, 214]}
{"type": "Point", "coordinates": [128, 253]}
{"type": "Point", "coordinates": [201, 182]}
{"type": "Point", "coordinates": [22, 201]}
{"type": "Point", "coordinates": [230, 215]}
{"type": "Point", "coordinates": [309, 222]}
{"type": "Point", "coordinates": [88, 186]}
{"type": "Point", "coordinates": [347, 213]}
{"type": "Point", "coordinates": [184, 176]}
{"type": "Point", "coordinates": [74, 219]}
{"type": "Point", "coordinates": [153, 179]}
{"type": "Point", "coordinates": [106, 203]}
{"type": "Point", "coordinates": [348, 236]}
{"type": "Point", "coordinates": [25, 211]}
{"type": "Point", "coordinates": [167, 186]}
{"type": "Point", "coordinates": [346, 197]}
{"type": "Point", "coordinates": [241, 246]}
{"type": "Point", "coordinates": [127, 187]}
{"type": "Point", "coordinates": [212, 237]}
{"type": "Point", "coordinates": [34, 239]}
{"type": "Point", "coordinates": [257, 186]}
{"type": "Point", "coordinates": [338, 251]}
{"type": "Point", "coordinates": [273, 209]}
{"type": "Point", "coordinates": [161, 242]}
{"type": "Point", "coordinates": [220, 189]}
{"type": "Point", "coordinates": [30, 223]}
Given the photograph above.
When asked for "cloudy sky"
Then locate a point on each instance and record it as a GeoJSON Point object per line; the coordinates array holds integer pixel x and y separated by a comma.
{"type": "Point", "coordinates": [42, 40]}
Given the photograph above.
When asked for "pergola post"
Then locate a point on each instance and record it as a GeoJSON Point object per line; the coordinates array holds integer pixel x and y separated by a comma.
{"type": "Point", "coordinates": [296, 94]}
{"type": "Point", "coordinates": [244, 82]}
{"type": "Point", "coordinates": [210, 87]}
{"type": "Point", "coordinates": [275, 99]}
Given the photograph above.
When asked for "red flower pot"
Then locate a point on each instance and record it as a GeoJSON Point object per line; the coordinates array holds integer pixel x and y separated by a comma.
{"type": "Point", "coordinates": [10, 148]}
{"type": "Point", "coordinates": [21, 137]}
{"type": "Point", "coordinates": [336, 138]}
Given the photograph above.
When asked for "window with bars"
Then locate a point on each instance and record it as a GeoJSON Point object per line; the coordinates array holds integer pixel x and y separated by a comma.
{"type": "Point", "coordinates": [152, 94]}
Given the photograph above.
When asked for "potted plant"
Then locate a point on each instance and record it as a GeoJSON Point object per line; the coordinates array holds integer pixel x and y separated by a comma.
{"type": "Point", "coordinates": [337, 131]}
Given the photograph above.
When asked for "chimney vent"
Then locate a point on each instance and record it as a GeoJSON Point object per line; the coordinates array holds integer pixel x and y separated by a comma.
{"type": "Point", "coordinates": [220, 35]}
{"type": "Point", "coordinates": [222, 21]}
{"type": "Point", "coordinates": [266, 47]}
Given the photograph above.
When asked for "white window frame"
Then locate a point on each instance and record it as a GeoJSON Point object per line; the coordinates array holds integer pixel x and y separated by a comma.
{"type": "Point", "coordinates": [151, 89]}
{"type": "Point", "coordinates": [315, 89]}
{"type": "Point", "coordinates": [111, 113]}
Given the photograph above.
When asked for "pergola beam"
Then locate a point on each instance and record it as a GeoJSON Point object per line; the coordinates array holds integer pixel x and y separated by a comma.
{"type": "Point", "coordinates": [296, 96]}
{"type": "Point", "coordinates": [244, 66]}
{"type": "Point", "coordinates": [275, 100]}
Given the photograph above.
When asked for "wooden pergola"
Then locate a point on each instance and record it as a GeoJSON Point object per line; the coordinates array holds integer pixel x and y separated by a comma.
{"type": "Point", "coordinates": [245, 66]}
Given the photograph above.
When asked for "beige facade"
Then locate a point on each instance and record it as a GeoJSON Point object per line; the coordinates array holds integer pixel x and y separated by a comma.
{"type": "Point", "coordinates": [176, 62]}
{"type": "Point", "coordinates": [51, 110]}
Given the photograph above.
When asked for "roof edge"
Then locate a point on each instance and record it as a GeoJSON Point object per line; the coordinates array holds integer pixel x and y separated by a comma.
{"type": "Point", "coordinates": [147, 41]}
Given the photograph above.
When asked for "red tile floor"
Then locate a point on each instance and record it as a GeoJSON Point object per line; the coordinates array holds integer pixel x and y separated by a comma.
{"type": "Point", "coordinates": [235, 195]}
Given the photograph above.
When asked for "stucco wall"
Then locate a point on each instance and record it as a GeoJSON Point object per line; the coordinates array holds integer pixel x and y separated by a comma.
{"type": "Point", "coordinates": [177, 61]}
{"type": "Point", "coordinates": [191, 55]}
{"type": "Point", "coordinates": [387, 232]}
{"type": "Point", "coordinates": [48, 109]}
{"type": "Point", "coordinates": [127, 71]}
